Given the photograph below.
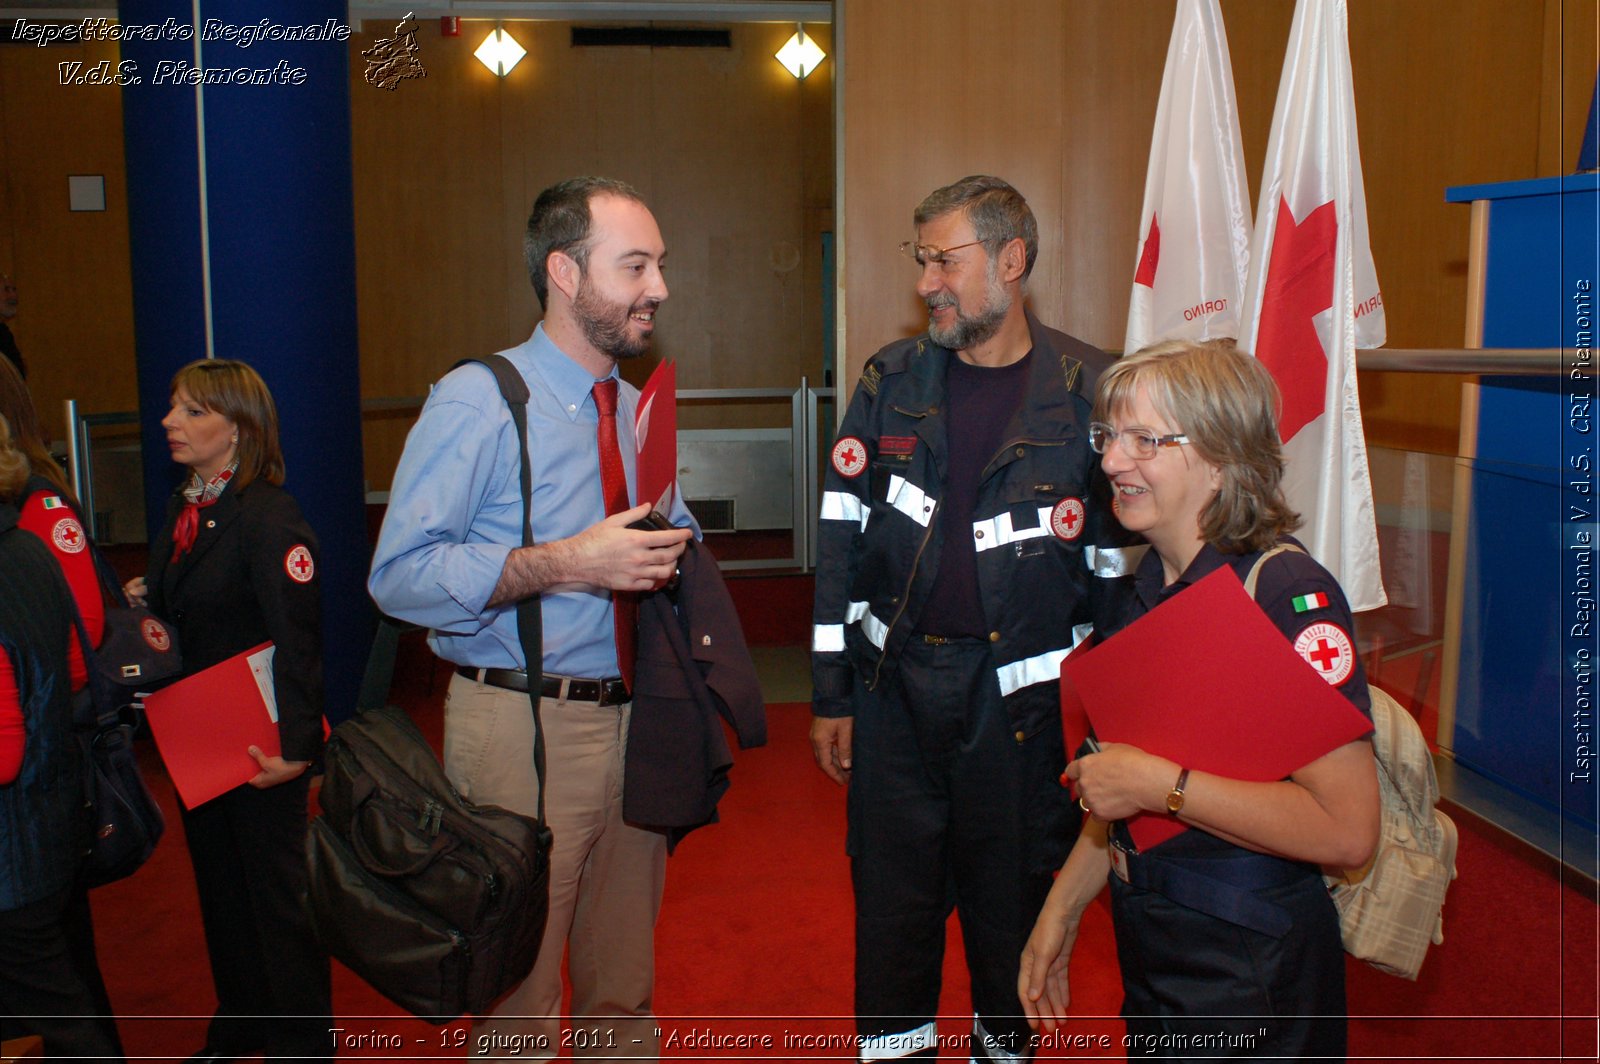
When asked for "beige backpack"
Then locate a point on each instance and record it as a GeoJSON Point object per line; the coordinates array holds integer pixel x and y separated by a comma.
{"type": "Point", "coordinates": [1392, 909]}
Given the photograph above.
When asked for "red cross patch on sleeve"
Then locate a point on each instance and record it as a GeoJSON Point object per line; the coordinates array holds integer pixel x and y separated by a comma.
{"type": "Point", "coordinates": [849, 457]}
{"type": "Point", "coordinates": [68, 535]}
{"type": "Point", "coordinates": [1066, 519]}
{"type": "Point", "coordinates": [298, 564]}
{"type": "Point", "coordinates": [1327, 649]}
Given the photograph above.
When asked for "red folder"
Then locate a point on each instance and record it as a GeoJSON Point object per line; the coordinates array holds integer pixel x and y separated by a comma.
{"type": "Point", "coordinates": [1207, 680]}
{"type": "Point", "coordinates": [205, 724]}
{"type": "Point", "coordinates": [655, 433]}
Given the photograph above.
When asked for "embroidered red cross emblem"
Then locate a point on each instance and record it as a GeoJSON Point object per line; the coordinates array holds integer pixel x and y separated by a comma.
{"type": "Point", "coordinates": [1325, 655]}
{"type": "Point", "coordinates": [68, 536]}
{"type": "Point", "coordinates": [1066, 518]}
{"type": "Point", "coordinates": [850, 457]}
{"type": "Point", "coordinates": [298, 564]}
{"type": "Point", "coordinates": [1326, 648]}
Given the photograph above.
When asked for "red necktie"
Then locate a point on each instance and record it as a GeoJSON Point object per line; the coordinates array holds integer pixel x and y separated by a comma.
{"type": "Point", "coordinates": [614, 482]}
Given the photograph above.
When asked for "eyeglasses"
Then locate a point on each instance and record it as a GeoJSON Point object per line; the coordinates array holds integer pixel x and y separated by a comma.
{"type": "Point", "coordinates": [926, 253]}
{"type": "Point", "coordinates": [1139, 444]}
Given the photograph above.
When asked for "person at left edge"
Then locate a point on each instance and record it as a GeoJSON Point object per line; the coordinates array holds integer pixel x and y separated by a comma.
{"type": "Point", "coordinates": [47, 509]}
{"type": "Point", "coordinates": [51, 511]}
{"type": "Point", "coordinates": [236, 566]}
{"type": "Point", "coordinates": [50, 984]}
{"type": "Point", "coordinates": [8, 310]}
{"type": "Point", "coordinates": [449, 557]}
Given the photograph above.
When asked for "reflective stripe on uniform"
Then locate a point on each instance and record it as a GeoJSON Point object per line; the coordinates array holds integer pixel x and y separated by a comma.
{"type": "Point", "coordinates": [997, 531]}
{"type": "Point", "coordinates": [874, 630]}
{"type": "Point", "coordinates": [911, 500]}
{"type": "Point", "coordinates": [829, 638]}
{"type": "Point", "coordinates": [843, 506]}
{"type": "Point", "coordinates": [1040, 668]}
{"type": "Point", "coordinates": [1114, 561]}
{"type": "Point", "coordinates": [900, 1044]}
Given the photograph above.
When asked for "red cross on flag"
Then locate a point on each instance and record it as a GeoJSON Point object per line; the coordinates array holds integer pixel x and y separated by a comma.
{"type": "Point", "coordinates": [1313, 297]}
{"type": "Point", "coordinates": [1194, 230]}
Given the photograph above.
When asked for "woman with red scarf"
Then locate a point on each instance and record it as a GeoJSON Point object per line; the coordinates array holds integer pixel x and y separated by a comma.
{"type": "Point", "coordinates": [235, 567]}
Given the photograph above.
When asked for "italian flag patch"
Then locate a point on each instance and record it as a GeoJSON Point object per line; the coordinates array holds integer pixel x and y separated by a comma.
{"type": "Point", "coordinates": [1305, 603]}
{"type": "Point", "coordinates": [53, 502]}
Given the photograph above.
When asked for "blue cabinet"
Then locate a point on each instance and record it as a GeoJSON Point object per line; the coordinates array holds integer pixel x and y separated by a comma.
{"type": "Point", "coordinates": [1524, 710]}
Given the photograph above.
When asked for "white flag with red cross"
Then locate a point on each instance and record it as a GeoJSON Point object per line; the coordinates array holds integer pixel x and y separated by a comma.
{"type": "Point", "coordinates": [1194, 244]}
{"type": "Point", "coordinates": [1313, 297]}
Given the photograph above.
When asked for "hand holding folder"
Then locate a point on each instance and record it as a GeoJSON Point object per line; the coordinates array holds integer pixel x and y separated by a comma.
{"type": "Point", "coordinates": [1206, 680]}
{"type": "Point", "coordinates": [205, 724]}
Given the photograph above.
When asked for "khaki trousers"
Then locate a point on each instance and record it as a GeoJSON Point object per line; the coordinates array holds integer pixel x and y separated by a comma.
{"type": "Point", "coordinates": [606, 877]}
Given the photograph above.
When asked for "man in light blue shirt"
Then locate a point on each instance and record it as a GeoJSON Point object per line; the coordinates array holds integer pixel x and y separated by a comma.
{"type": "Point", "coordinates": [447, 558]}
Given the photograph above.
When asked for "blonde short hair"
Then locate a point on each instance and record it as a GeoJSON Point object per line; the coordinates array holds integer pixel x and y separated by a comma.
{"type": "Point", "coordinates": [1227, 404]}
{"type": "Point", "coordinates": [237, 392]}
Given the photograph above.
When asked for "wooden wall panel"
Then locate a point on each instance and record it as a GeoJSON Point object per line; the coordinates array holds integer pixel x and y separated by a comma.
{"type": "Point", "coordinates": [718, 141]}
{"type": "Point", "coordinates": [75, 318]}
{"type": "Point", "coordinates": [1454, 105]}
{"type": "Point", "coordinates": [1110, 105]}
{"type": "Point", "coordinates": [933, 92]}
{"type": "Point", "coordinates": [1571, 51]}
{"type": "Point", "coordinates": [1448, 92]}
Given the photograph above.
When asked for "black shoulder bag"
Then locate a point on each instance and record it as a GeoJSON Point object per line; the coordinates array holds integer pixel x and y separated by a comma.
{"type": "Point", "coordinates": [127, 821]}
{"type": "Point", "coordinates": [438, 903]}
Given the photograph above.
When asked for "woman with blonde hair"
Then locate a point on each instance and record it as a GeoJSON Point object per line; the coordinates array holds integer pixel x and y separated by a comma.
{"type": "Point", "coordinates": [235, 567]}
{"type": "Point", "coordinates": [1188, 435]}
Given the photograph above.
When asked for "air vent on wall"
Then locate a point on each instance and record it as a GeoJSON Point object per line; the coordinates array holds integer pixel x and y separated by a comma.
{"type": "Point", "coordinates": [714, 515]}
{"type": "Point", "coordinates": [648, 37]}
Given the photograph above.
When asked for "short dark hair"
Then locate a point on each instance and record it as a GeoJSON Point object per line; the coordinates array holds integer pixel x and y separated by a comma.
{"type": "Point", "coordinates": [997, 211]}
{"type": "Point", "coordinates": [237, 392]}
{"type": "Point", "coordinates": [1227, 404]}
{"type": "Point", "coordinates": [560, 221]}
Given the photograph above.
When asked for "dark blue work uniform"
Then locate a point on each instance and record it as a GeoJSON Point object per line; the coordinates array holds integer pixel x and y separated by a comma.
{"type": "Point", "coordinates": [954, 800]}
{"type": "Point", "coordinates": [1266, 980]}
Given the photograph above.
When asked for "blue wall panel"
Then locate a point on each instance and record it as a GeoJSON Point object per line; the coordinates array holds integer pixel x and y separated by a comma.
{"type": "Point", "coordinates": [275, 185]}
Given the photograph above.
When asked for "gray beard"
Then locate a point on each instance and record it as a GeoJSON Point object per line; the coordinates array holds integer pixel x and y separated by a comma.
{"type": "Point", "coordinates": [967, 332]}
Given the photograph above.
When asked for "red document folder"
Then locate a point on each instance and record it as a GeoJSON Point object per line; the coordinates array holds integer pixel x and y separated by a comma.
{"type": "Point", "coordinates": [1207, 680]}
{"type": "Point", "coordinates": [655, 430]}
{"type": "Point", "coordinates": [205, 724]}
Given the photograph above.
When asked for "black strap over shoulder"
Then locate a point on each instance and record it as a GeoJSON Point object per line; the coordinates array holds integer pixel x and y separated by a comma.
{"type": "Point", "coordinates": [530, 619]}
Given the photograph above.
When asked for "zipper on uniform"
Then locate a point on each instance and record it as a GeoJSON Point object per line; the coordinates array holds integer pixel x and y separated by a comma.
{"type": "Point", "coordinates": [905, 595]}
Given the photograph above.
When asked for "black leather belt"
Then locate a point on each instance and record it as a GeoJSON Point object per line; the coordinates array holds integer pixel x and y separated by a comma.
{"type": "Point", "coordinates": [612, 692]}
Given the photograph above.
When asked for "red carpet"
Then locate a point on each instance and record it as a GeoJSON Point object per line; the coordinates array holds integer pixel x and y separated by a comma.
{"type": "Point", "coordinates": [755, 940]}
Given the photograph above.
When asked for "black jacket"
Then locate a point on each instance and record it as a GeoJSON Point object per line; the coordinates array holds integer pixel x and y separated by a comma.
{"type": "Point", "coordinates": [694, 671]}
{"type": "Point", "coordinates": [44, 829]}
{"type": "Point", "coordinates": [1042, 504]}
{"type": "Point", "coordinates": [250, 577]}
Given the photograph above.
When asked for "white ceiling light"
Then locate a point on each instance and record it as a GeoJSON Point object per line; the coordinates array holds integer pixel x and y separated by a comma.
{"type": "Point", "coordinates": [800, 55]}
{"type": "Point", "coordinates": [500, 52]}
